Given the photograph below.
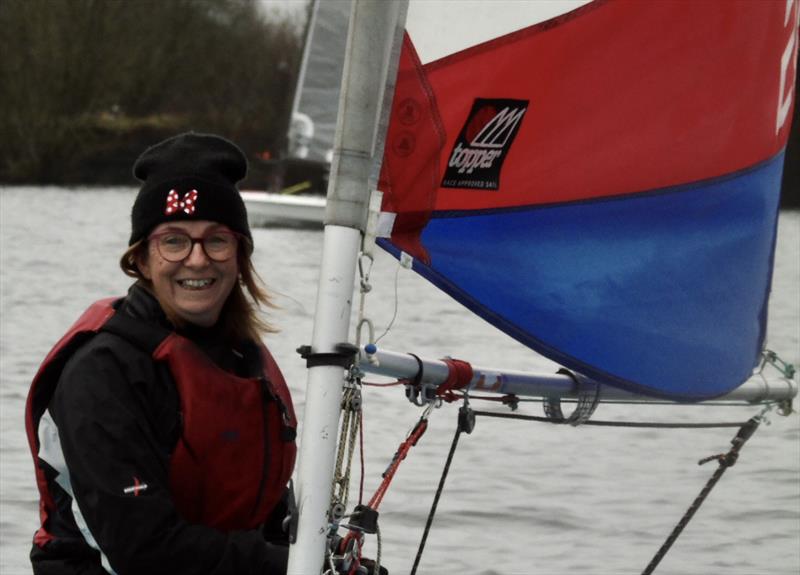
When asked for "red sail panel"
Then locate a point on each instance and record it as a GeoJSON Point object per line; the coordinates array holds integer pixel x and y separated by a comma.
{"type": "Point", "coordinates": [623, 96]}
{"type": "Point", "coordinates": [410, 170]}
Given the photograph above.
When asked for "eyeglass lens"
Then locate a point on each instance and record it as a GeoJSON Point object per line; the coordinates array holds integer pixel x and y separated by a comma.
{"type": "Point", "coordinates": [176, 246]}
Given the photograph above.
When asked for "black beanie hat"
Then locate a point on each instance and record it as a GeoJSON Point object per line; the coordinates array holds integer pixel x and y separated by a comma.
{"type": "Point", "coordinates": [189, 177]}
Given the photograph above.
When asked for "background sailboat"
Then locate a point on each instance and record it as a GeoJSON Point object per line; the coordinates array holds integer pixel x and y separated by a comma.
{"type": "Point", "coordinates": [299, 178]}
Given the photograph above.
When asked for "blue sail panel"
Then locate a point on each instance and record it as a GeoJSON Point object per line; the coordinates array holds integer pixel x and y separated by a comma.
{"type": "Point", "coordinates": [677, 278]}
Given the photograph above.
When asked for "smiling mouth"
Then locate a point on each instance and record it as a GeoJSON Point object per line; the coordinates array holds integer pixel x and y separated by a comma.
{"type": "Point", "coordinates": [195, 284]}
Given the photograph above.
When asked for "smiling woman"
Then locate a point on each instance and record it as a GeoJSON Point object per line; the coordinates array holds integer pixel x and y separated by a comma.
{"type": "Point", "coordinates": [188, 282]}
{"type": "Point", "coordinates": [162, 429]}
{"type": "Point", "coordinates": [196, 164]}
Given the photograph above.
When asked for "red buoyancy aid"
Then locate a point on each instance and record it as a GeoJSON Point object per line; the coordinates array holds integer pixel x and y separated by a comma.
{"type": "Point", "coordinates": [236, 452]}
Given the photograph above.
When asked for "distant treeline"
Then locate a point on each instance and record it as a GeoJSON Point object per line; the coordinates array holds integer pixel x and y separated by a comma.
{"type": "Point", "coordinates": [85, 85]}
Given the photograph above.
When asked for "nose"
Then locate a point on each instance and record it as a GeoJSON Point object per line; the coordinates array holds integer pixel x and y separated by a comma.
{"type": "Point", "coordinates": [197, 257]}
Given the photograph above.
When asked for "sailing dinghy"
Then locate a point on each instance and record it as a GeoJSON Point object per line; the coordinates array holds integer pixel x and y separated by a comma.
{"type": "Point", "coordinates": [301, 173]}
{"type": "Point", "coordinates": [603, 187]}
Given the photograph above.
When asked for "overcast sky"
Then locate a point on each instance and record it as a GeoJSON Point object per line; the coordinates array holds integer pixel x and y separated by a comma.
{"type": "Point", "coordinates": [441, 27]}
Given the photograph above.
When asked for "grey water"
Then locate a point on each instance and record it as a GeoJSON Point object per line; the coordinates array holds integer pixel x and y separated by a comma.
{"type": "Point", "coordinates": [521, 498]}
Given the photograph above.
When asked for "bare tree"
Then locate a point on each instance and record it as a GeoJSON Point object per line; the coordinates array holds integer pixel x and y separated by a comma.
{"type": "Point", "coordinates": [84, 83]}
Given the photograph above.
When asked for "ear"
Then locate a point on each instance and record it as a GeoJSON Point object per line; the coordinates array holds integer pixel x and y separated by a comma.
{"type": "Point", "coordinates": [143, 263]}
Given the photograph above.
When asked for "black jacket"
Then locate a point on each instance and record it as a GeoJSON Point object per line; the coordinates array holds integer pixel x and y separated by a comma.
{"type": "Point", "coordinates": [116, 409]}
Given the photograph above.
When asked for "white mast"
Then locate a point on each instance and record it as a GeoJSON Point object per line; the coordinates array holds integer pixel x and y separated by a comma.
{"type": "Point", "coordinates": [368, 60]}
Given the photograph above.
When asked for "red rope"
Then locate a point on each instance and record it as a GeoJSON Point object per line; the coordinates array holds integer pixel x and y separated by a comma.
{"type": "Point", "coordinates": [402, 451]}
{"type": "Point", "coordinates": [356, 556]}
{"type": "Point", "coordinates": [459, 375]}
{"type": "Point", "coordinates": [389, 384]}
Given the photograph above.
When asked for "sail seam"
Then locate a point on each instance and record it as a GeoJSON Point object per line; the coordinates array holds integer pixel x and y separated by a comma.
{"type": "Point", "coordinates": [667, 190]}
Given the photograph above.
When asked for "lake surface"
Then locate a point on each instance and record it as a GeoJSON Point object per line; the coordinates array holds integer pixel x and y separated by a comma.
{"type": "Point", "coordinates": [521, 498]}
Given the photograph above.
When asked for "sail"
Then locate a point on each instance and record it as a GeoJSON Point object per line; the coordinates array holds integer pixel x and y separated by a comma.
{"type": "Point", "coordinates": [604, 186]}
{"type": "Point", "coordinates": [315, 107]}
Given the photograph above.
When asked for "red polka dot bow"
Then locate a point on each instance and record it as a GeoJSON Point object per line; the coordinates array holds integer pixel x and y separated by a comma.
{"type": "Point", "coordinates": [175, 202]}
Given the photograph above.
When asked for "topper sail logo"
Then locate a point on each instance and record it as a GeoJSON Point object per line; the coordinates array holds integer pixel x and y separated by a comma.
{"type": "Point", "coordinates": [483, 144]}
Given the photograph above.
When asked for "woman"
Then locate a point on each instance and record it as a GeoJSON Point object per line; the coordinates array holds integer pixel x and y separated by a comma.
{"type": "Point", "coordinates": [161, 428]}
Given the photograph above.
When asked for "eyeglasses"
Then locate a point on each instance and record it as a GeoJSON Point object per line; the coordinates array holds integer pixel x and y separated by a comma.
{"type": "Point", "coordinates": [175, 247]}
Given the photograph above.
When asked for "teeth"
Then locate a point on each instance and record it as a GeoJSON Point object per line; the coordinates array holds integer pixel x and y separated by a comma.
{"type": "Point", "coordinates": [195, 284]}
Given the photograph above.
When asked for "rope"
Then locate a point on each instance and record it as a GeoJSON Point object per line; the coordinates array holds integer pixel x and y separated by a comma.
{"type": "Point", "coordinates": [389, 384]}
{"type": "Point", "coordinates": [725, 460]}
{"type": "Point", "coordinates": [364, 518]}
{"type": "Point", "coordinates": [348, 434]}
{"type": "Point", "coordinates": [337, 471]}
{"type": "Point", "coordinates": [377, 569]}
{"type": "Point", "coordinates": [361, 455]}
{"type": "Point", "coordinates": [466, 422]}
{"type": "Point", "coordinates": [436, 498]}
{"type": "Point", "coordinates": [396, 300]}
{"type": "Point", "coordinates": [399, 456]}
{"type": "Point", "coordinates": [351, 447]}
{"type": "Point", "coordinates": [613, 423]}
{"type": "Point", "coordinates": [459, 375]}
{"type": "Point", "coordinates": [770, 357]}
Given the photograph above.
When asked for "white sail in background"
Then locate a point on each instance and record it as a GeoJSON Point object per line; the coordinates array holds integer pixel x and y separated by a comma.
{"type": "Point", "coordinates": [316, 98]}
{"type": "Point", "coordinates": [437, 27]}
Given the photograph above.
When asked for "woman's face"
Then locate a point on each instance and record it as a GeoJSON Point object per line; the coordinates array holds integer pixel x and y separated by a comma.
{"type": "Point", "coordinates": [195, 288]}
